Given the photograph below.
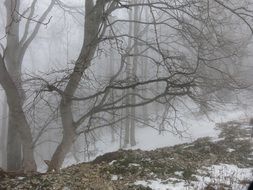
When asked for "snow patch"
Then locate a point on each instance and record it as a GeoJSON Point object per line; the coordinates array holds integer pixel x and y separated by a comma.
{"type": "Point", "coordinates": [114, 178]}
{"type": "Point", "coordinates": [223, 174]}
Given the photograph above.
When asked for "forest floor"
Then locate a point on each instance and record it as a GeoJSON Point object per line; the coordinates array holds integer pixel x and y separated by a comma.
{"type": "Point", "coordinates": [205, 164]}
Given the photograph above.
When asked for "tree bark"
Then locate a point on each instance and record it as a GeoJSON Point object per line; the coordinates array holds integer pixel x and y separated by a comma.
{"type": "Point", "coordinates": [14, 158]}
{"type": "Point", "coordinates": [145, 114]}
{"type": "Point", "coordinates": [3, 134]}
{"type": "Point", "coordinates": [14, 161]}
{"type": "Point", "coordinates": [68, 136]}
{"type": "Point", "coordinates": [14, 54]}
{"type": "Point", "coordinates": [20, 123]}
{"type": "Point", "coordinates": [93, 19]}
{"type": "Point", "coordinates": [128, 78]}
{"type": "Point", "coordinates": [134, 74]}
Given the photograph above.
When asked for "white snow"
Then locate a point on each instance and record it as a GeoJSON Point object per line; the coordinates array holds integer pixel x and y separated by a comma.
{"type": "Point", "coordinates": [112, 162]}
{"type": "Point", "coordinates": [158, 185]}
{"type": "Point", "coordinates": [21, 178]}
{"type": "Point", "coordinates": [114, 178]}
{"type": "Point", "coordinates": [179, 173]}
{"type": "Point", "coordinates": [230, 150]}
{"type": "Point", "coordinates": [134, 164]}
{"type": "Point", "coordinates": [230, 175]}
{"type": "Point", "coordinates": [226, 174]}
{"type": "Point", "coordinates": [148, 138]}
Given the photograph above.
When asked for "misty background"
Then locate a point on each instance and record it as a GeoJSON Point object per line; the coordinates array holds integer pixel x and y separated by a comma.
{"type": "Point", "coordinates": [154, 73]}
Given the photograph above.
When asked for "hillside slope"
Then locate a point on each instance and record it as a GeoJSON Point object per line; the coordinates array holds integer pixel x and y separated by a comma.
{"type": "Point", "coordinates": [208, 164]}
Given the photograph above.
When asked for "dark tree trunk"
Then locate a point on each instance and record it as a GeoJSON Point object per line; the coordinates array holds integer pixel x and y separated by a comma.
{"type": "Point", "coordinates": [93, 18]}
{"type": "Point", "coordinates": [14, 161]}
{"type": "Point", "coordinates": [19, 122]}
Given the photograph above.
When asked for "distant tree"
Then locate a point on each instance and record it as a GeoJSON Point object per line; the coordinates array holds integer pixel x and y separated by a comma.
{"type": "Point", "coordinates": [131, 71]}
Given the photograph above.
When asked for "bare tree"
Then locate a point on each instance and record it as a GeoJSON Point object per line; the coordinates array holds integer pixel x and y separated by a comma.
{"type": "Point", "coordinates": [16, 111]}
{"type": "Point", "coordinates": [13, 55]}
{"type": "Point", "coordinates": [173, 57]}
{"type": "Point", "coordinates": [177, 74]}
{"type": "Point", "coordinates": [129, 75]}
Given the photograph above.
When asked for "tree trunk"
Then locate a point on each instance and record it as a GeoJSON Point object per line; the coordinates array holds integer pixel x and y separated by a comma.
{"type": "Point", "coordinates": [14, 158]}
{"type": "Point", "coordinates": [145, 113]}
{"type": "Point", "coordinates": [68, 137]}
{"type": "Point", "coordinates": [59, 155]}
{"type": "Point", "coordinates": [127, 111]}
{"type": "Point", "coordinates": [93, 19]}
{"type": "Point", "coordinates": [61, 151]}
{"type": "Point", "coordinates": [14, 54]}
{"type": "Point", "coordinates": [3, 134]}
{"type": "Point", "coordinates": [128, 78]}
{"type": "Point", "coordinates": [111, 73]}
{"type": "Point", "coordinates": [127, 128]}
{"type": "Point", "coordinates": [133, 75]}
{"type": "Point", "coordinates": [20, 123]}
{"type": "Point", "coordinates": [14, 144]}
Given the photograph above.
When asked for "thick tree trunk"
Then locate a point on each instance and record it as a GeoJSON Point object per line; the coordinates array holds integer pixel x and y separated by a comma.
{"type": "Point", "coordinates": [14, 143]}
{"type": "Point", "coordinates": [60, 153]}
{"type": "Point", "coordinates": [20, 123]}
{"type": "Point", "coordinates": [93, 19]}
{"type": "Point", "coordinates": [14, 53]}
{"type": "Point", "coordinates": [14, 156]}
{"type": "Point", "coordinates": [68, 136]}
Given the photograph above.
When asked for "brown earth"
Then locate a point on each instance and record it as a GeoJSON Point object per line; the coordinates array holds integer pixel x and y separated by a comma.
{"type": "Point", "coordinates": [119, 170]}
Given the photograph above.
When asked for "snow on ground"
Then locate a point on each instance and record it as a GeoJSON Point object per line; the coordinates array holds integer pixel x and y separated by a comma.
{"type": "Point", "coordinates": [159, 185]}
{"type": "Point", "coordinates": [225, 175]}
{"type": "Point", "coordinates": [230, 175]}
{"type": "Point", "coordinates": [148, 138]}
{"type": "Point", "coordinates": [197, 126]}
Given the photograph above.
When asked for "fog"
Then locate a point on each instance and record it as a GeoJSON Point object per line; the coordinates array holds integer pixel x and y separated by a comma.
{"type": "Point", "coordinates": [81, 78]}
